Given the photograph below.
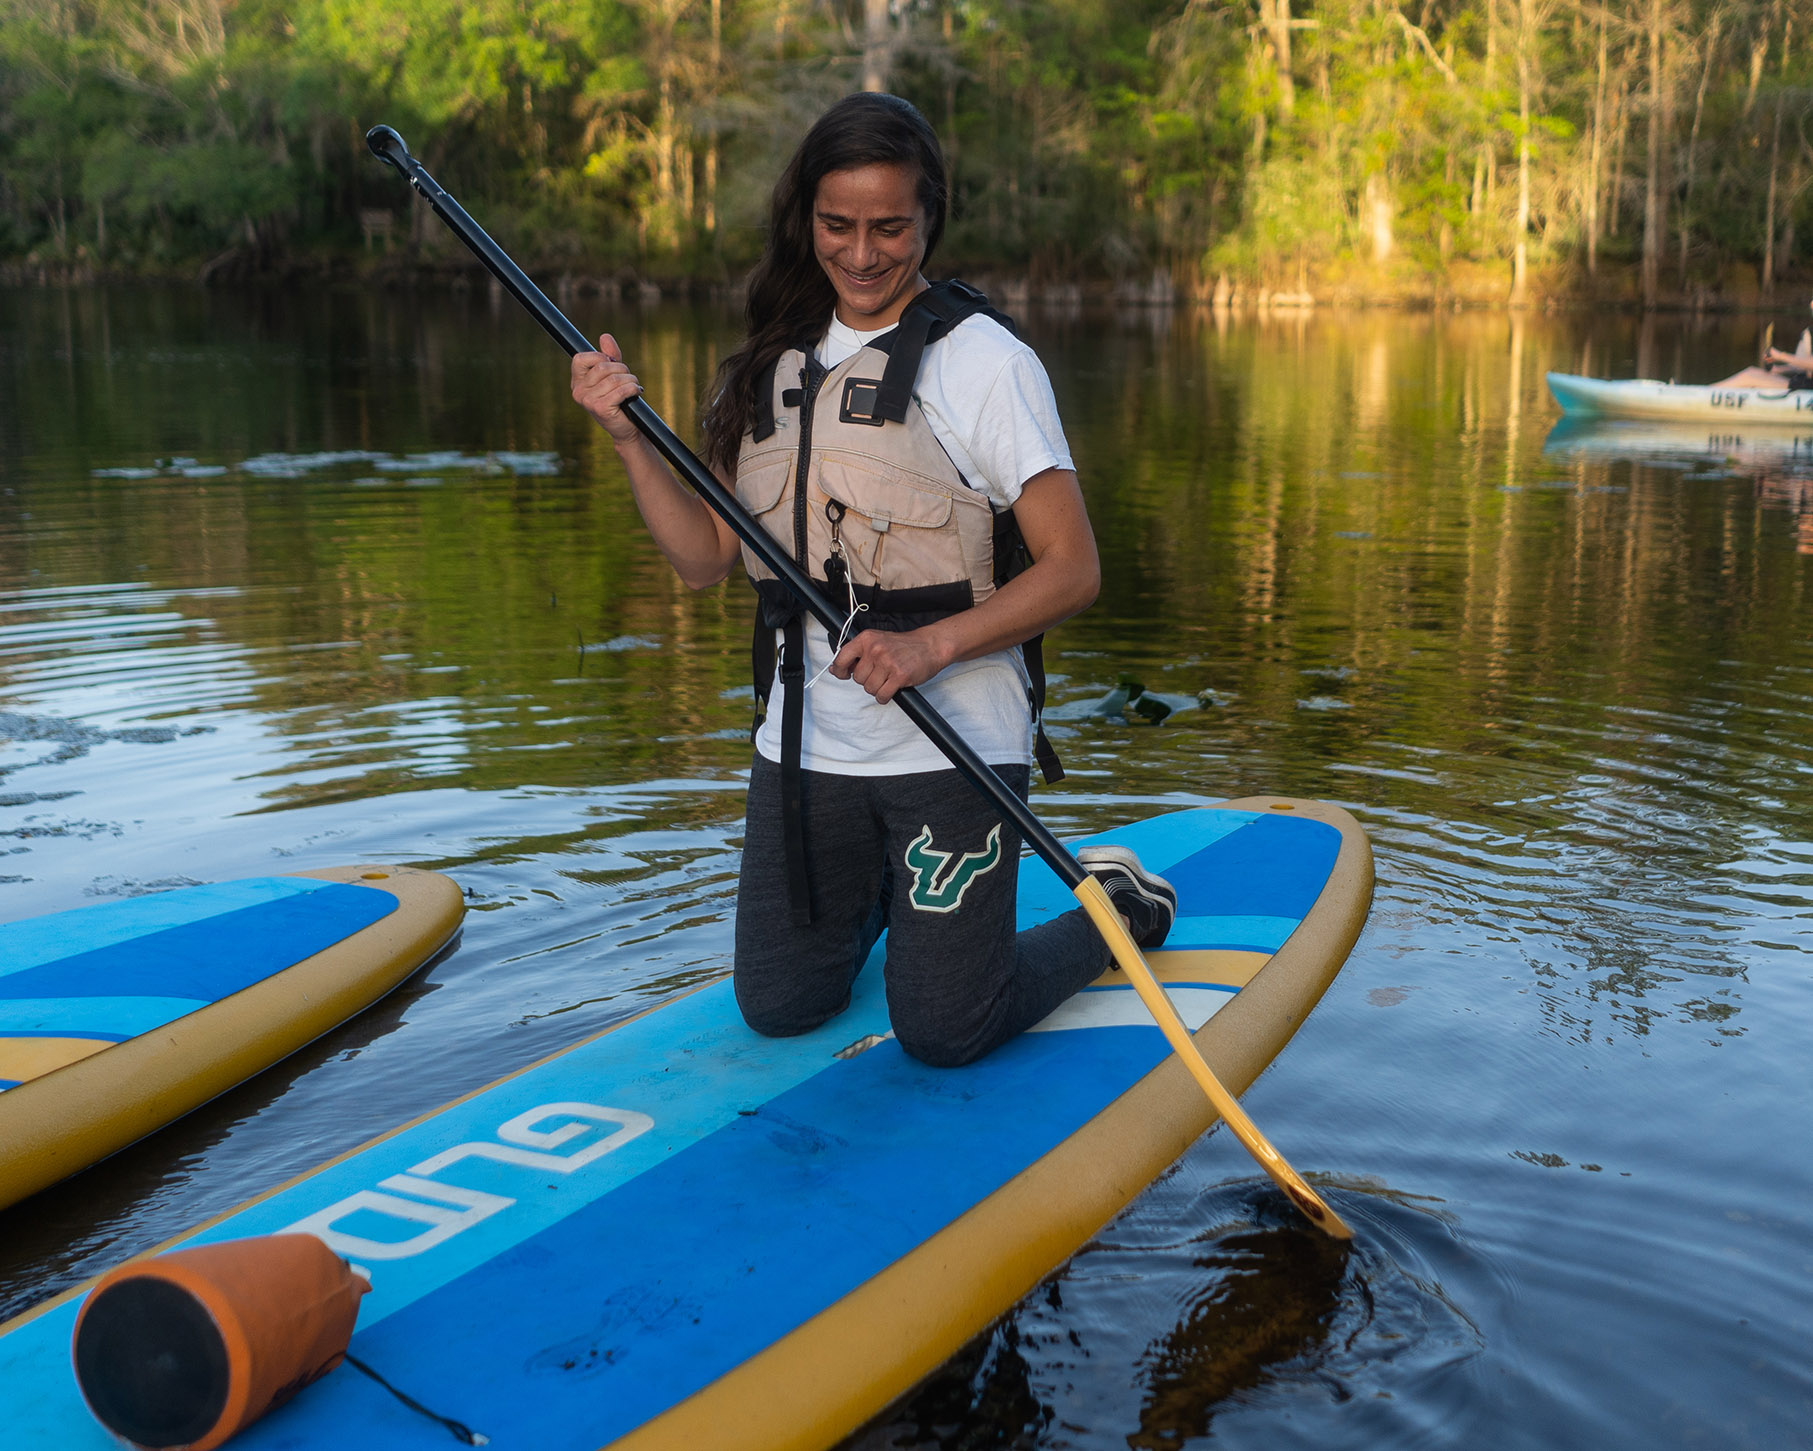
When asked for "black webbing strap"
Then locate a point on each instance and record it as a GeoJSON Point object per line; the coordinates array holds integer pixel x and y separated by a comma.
{"type": "Point", "coordinates": [793, 805]}
{"type": "Point", "coordinates": [928, 317]}
{"type": "Point", "coordinates": [761, 669]}
{"type": "Point", "coordinates": [793, 709]}
{"type": "Point", "coordinates": [764, 402]}
{"type": "Point", "coordinates": [1050, 767]}
{"type": "Point", "coordinates": [1012, 557]}
{"type": "Point", "coordinates": [895, 395]}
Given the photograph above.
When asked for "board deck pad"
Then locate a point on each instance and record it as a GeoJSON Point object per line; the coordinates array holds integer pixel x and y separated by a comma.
{"type": "Point", "coordinates": [570, 1252]}
{"type": "Point", "coordinates": [76, 982]}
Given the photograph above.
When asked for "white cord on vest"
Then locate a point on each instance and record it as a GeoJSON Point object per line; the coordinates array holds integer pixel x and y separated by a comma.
{"type": "Point", "coordinates": [843, 635]}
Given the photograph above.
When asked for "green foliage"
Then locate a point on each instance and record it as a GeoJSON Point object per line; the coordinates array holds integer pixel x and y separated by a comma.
{"type": "Point", "coordinates": [1273, 141]}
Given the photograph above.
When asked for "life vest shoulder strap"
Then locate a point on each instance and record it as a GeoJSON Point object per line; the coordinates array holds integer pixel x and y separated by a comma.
{"type": "Point", "coordinates": [764, 402]}
{"type": "Point", "coordinates": [762, 424]}
{"type": "Point", "coordinates": [928, 317]}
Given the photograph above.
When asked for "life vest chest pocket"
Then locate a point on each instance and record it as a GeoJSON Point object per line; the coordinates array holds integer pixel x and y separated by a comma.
{"type": "Point", "coordinates": [895, 526]}
{"type": "Point", "coordinates": [762, 480]}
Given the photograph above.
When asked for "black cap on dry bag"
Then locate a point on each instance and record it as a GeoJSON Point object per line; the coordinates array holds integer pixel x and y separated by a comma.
{"type": "Point", "coordinates": [180, 1351]}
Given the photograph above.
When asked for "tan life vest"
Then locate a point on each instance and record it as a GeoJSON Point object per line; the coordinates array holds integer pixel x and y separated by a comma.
{"type": "Point", "coordinates": [874, 509]}
{"type": "Point", "coordinates": [842, 468]}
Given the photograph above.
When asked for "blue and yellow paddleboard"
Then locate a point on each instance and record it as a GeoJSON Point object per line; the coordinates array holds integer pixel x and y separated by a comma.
{"type": "Point", "coordinates": [678, 1234]}
{"type": "Point", "coordinates": [116, 1019]}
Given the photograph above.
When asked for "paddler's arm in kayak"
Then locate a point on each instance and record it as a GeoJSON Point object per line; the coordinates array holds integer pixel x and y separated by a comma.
{"type": "Point", "coordinates": [1064, 578]}
{"type": "Point", "coordinates": [697, 543]}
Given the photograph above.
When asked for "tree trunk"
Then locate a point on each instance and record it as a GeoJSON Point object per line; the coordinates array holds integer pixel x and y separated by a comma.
{"type": "Point", "coordinates": [877, 45]}
{"type": "Point", "coordinates": [1520, 253]}
{"type": "Point", "coordinates": [1614, 182]}
{"type": "Point", "coordinates": [666, 218]}
{"type": "Point", "coordinates": [1653, 199]}
{"type": "Point", "coordinates": [1276, 16]}
{"type": "Point", "coordinates": [711, 189]}
{"type": "Point", "coordinates": [1378, 217]}
{"type": "Point", "coordinates": [1693, 139]}
{"type": "Point", "coordinates": [1759, 52]}
{"type": "Point", "coordinates": [1598, 153]}
{"type": "Point", "coordinates": [1445, 238]}
{"type": "Point", "coordinates": [711, 148]}
{"type": "Point", "coordinates": [950, 93]}
{"type": "Point", "coordinates": [1775, 151]}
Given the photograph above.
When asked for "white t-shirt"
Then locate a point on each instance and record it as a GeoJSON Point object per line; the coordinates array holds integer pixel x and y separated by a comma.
{"type": "Point", "coordinates": [989, 402]}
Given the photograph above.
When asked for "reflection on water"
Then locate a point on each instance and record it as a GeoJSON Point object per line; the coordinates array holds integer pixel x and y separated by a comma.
{"type": "Point", "coordinates": [1214, 1303]}
{"type": "Point", "coordinates": [291, 581]}
{"type": "Point", "coordinates": [1779, 460]}
{"type": "Point", "coordinates": [1265, 1303]}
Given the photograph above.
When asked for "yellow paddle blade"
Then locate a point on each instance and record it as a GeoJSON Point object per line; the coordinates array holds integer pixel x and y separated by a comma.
{"type": "Point", "coordinates": [1101, 911]}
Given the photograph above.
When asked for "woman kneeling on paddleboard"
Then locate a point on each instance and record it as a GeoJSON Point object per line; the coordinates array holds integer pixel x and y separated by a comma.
{"type": "Point", "coordinates": [905, 446]}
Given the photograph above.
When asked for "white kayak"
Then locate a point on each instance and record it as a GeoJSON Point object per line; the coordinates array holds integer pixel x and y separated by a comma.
{"type": "Point", "coordinates": [1680, 402]}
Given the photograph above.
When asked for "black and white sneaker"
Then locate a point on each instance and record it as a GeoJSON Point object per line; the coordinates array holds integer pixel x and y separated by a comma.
{"type": "Point", "coordinates": [1145, 899]}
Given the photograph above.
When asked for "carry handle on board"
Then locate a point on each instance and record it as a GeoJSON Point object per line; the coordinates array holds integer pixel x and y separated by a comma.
{"type": "Point", "coordinates": [389, 147]}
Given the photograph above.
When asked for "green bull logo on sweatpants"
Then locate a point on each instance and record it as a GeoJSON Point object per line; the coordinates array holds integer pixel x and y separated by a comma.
{"type": "Point", "coordinates": [940, 878]}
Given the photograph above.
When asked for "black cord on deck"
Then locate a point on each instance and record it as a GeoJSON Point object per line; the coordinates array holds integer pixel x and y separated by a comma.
{"type": "Point", "coordinates": [462, 1433]}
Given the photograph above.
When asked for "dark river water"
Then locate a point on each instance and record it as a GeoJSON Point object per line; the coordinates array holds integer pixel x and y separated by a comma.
{"type": "Point", "coordinates": [288, 581]}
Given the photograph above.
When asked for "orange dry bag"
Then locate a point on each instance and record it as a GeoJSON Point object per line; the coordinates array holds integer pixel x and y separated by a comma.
{"type": "Point", "coordinates": [180, 1351]}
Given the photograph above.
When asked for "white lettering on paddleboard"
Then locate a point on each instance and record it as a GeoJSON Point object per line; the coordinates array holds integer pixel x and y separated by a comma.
{"type": "Point", "coordinates": [451, 1208]}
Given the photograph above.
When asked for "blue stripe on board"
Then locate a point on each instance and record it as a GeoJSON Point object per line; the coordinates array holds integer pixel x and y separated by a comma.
{"type": "Point", "coordinates": [91, 1017]}
{"type": "Point", "coordinates": [83, 929]}
{"type": "Point", "coordinates": [6, 1083]}
{"type": "Point", "coordinates": [1275, 866]}
{"type": "Point", "coordinates": [1238, 934]}
{"type": "Point", "coordinates": [1228, 864]}
{"type": "Point", "coordinates": [581, 1333]}
{"type": "Point", "coordinates": [6, 1033]}
{"type": "Point", "coordinates": [212, 958]}
{"type": "Point", "coordinates": [1162, 842]}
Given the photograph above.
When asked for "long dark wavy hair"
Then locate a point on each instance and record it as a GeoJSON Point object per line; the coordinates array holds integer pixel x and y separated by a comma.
{"type": "Point", "coordinates": [790, 299]}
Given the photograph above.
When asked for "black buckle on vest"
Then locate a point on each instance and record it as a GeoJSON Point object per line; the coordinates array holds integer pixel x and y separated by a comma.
{"type": "Point", "coordinates": [862, 397]}
{"type": "Point", "coordinates": [792, 397]}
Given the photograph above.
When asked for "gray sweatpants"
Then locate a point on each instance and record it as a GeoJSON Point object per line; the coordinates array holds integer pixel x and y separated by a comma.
{"type": "Point", "coordinates": [927, 858]}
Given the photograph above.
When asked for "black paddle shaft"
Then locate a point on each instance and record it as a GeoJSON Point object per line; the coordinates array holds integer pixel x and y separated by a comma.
{"type": "Point", "coordinates": [390, 148]}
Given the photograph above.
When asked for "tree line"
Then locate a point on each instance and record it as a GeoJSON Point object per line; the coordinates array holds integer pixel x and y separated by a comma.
{"type": "Point", "coordinates": [1653, 150]}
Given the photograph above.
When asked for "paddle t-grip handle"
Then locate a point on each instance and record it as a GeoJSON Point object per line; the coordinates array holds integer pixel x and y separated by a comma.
{"type": "Point", "coordinates": [389, 147]}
